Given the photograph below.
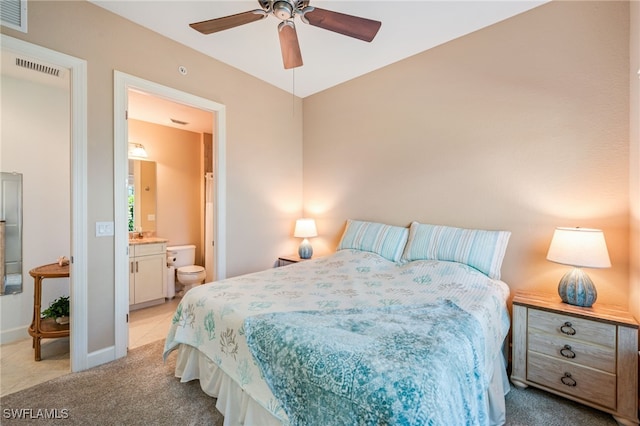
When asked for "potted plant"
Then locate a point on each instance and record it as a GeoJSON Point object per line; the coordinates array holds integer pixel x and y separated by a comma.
{"type": "Point", "coordinates": [58, 310]}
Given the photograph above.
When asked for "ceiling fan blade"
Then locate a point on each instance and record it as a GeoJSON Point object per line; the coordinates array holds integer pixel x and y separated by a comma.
{"type": "Point", "coordinates": [291, 56]}
{"type": "Point", "coordinates": [352, 26]}
{"type": "Point", "coordinates": [231, 21]}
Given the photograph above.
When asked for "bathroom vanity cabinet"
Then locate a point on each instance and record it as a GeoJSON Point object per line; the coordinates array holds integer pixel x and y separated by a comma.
{"type": "Point", "coordinates": [147, 274]}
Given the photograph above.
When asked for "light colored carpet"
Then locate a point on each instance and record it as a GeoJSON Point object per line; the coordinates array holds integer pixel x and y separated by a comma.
{"type": "Point", "coordinates": [137, 390]}
{"type": "Point", "coordinates": [533, 407]}
{"type": "Point", "coordinates": [141, 390]}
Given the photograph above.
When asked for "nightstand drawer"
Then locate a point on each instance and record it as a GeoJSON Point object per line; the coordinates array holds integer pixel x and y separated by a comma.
{"type": "Point", "coordinates": [573, 350]}
{"type": "Point", "coordinates": [582, 382]}
{"type": "Point", "coordinates": [570, 327]}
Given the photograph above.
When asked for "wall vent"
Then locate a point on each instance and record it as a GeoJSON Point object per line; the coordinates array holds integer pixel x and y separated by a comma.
{"type": "Point", "coordinates": [46, 69]}
{"type": "Point", "coordinates": [13, 14]}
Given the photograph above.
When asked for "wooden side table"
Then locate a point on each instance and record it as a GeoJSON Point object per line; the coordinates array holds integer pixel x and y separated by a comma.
{"type": "Point", "coordinates": [42, 328]}
{"type": "Point", "coordinates": [588, 355]}
{"type": "Point", "coordinates": [289, 259]}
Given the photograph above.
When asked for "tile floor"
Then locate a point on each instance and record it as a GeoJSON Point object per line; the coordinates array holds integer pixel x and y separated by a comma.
{"type": "Point", "coordinates": [18, 370]}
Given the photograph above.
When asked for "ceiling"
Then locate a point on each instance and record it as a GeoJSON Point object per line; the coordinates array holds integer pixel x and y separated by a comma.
{"type": "Point", "coordinates": [408, 28]}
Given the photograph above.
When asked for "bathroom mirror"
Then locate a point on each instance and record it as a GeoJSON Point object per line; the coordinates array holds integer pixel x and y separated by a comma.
{"type": "Point", "coordinates": [142, 192]}
{"type": "Point", "coordinates": [10, 233]}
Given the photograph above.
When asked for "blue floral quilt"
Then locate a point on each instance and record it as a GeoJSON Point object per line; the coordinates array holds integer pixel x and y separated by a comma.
{"type": "Point", "coordinates": [417, 365]}
{"type": "Point", "coordinates": [211, 317]}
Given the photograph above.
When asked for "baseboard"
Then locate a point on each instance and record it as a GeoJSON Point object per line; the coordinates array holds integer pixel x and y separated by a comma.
{"type": "Point", "coordinates": [14, 334]}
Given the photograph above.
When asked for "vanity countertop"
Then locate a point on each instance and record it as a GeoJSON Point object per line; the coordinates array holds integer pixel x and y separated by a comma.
{"type": "Point", "coordinates": [147, 240]}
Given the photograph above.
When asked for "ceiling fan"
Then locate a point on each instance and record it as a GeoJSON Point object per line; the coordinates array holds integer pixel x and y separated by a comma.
{"type": "Point", "coordinates": [286, 10]}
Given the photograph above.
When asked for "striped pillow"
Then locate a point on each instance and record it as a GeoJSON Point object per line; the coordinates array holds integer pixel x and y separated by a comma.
{"type": "Point", "coordinates": [482, 250]}
{"type": "Point", "coordinates": [386, 240]}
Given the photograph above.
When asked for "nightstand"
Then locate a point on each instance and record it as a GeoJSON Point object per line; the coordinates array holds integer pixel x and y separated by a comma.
{"type": "Point", "coordinates": [588, 355]}
{"type": "Point", "coordinates": [288, 260]}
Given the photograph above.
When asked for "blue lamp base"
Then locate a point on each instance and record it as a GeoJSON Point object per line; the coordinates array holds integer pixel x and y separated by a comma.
{"type": "Point", "coordinates": [305, 251]}
{"type": "Point", "coordinates": [576, 288]}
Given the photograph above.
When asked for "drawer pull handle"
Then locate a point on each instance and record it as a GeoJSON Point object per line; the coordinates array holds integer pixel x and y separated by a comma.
{"type": "Point", "coordinates": [568, 380]}
{"type": "Point", "coordinates": [568, 329]}
{"type": "Point", "coordinates": [567, 352]}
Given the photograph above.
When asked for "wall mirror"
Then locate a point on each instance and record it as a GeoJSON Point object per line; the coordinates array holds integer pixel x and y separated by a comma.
{"type": "Point", "coordinates": [10, 233]}
{"type": "Point", "coordinates": [142, 193]}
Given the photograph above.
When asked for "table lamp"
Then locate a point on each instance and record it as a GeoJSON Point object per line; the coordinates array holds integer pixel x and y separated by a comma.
{"type": "Point", "coordinates": [305, 228]}
{"type": "Point", "coordinates": [581, 248]}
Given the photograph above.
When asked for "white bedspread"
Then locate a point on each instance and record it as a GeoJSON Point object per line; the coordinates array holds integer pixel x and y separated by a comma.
{"type": "Point", "coordinates": [210, 317]}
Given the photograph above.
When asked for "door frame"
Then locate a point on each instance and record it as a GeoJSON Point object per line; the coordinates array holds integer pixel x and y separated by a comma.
{"type": "Point", "coordinates": [78, 335]}
{"type": "Point", "coordinates": [122, 84]}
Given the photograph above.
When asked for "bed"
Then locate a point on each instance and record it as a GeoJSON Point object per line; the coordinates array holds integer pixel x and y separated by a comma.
{"type": "Point", "coordinates": [398, 326]}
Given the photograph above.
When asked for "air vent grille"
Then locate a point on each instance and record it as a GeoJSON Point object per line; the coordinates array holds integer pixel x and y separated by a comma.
{"type": "Point", "coordinates": [13, 14]}
{"type": "Point", "coordinates": [46, 69]}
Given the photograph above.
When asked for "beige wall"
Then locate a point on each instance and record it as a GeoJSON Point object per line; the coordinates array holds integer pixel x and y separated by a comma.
{"type": "Point", "coordinates": [179, 173]}
{"type": "Point", "coordinates": [634, 157]}
{"type": "Point", "coordinates": [261, 141]}
{"type": "Point", "coordinates": [521, 126]}
{"type": "Point", "coordinates": [34, 141]}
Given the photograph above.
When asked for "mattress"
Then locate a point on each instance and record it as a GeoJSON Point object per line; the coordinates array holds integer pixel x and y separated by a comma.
{"type": "Point", "coordinates": [208, 326]}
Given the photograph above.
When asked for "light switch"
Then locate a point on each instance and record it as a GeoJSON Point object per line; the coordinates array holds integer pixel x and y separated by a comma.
{"type": "Point", "coordinates": [104, 229]}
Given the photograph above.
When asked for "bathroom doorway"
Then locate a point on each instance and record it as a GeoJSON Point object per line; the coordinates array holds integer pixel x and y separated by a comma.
{"type": "Point", "coordinates": [177, 199]}
{"type": "Point", "coordinates": [124, 86]}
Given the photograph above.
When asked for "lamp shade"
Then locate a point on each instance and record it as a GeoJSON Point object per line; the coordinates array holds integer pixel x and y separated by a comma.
{"type": "Point", "coordinates": [305, 228]}
{"type": "Point", "coordinates": [580, 247]}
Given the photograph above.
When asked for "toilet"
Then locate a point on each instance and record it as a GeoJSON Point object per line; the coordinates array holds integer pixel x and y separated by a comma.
{"type": "Point", "coordinates": [187, 274]}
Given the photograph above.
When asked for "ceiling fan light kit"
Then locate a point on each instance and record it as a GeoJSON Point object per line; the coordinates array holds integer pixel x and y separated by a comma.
{"type": "Point", "coordinates": [283, 9]}
{"type": "Point", "coordinates": [286, 10]}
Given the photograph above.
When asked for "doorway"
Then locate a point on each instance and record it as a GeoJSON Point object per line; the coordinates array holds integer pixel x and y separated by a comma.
{"type": "Point", "coordinates": [77, 69]}
{"type": "Point", "coordinates": [123, 85]}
